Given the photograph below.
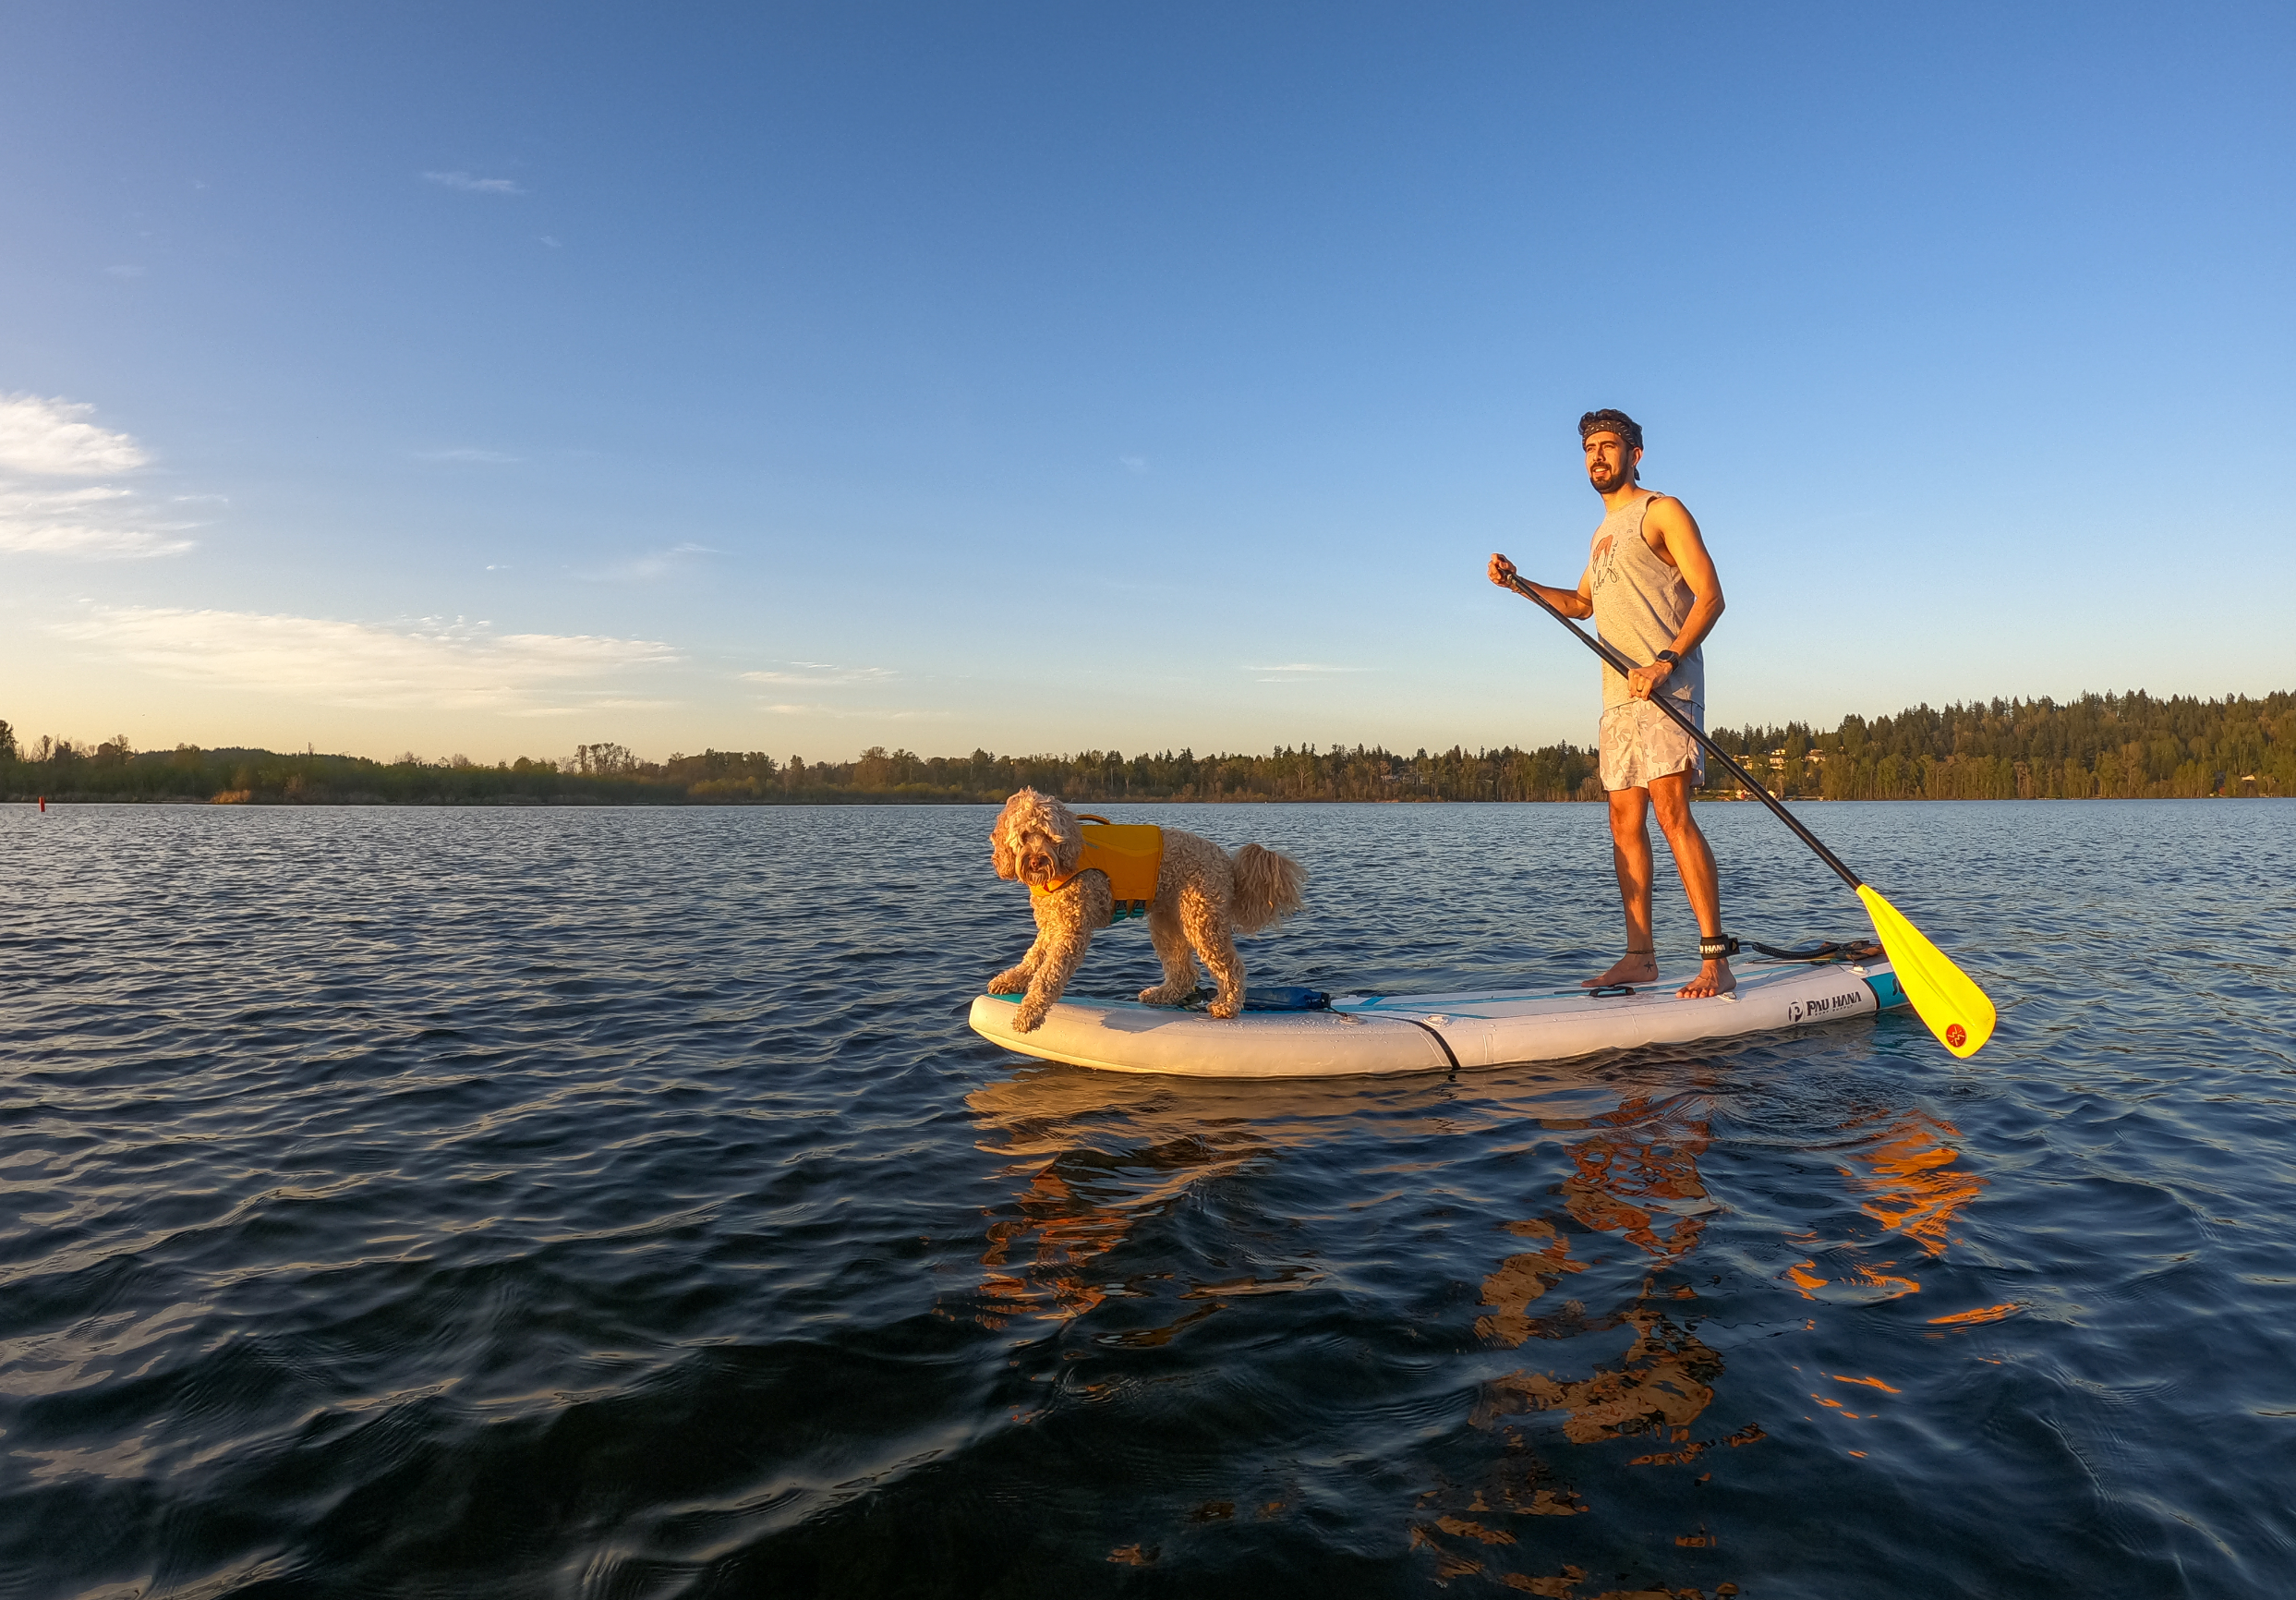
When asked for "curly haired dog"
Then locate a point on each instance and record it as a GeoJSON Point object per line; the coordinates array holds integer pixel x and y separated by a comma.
{"type": "Point", "coordinates": [1204, 896]}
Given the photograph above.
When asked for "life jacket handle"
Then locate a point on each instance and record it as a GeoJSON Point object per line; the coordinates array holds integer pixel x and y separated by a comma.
{"type": "Point", "coordinates": [1072, 878]}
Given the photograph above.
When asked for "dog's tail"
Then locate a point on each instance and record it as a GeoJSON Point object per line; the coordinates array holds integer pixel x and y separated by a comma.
{"type": "Point", "coordinates": [1267, 887]}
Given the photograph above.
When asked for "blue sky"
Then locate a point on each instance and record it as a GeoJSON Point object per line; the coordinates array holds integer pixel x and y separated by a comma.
{"type": "Point", "coordinates": [1048, 377]}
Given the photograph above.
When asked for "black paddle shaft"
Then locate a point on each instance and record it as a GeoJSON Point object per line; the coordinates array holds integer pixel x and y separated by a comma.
{"type": "Point", "coordinates": [1623, 666]}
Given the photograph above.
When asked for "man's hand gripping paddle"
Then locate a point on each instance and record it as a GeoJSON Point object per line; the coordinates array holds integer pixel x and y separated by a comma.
{"type": "Point", "coordinates": [1947, 999]}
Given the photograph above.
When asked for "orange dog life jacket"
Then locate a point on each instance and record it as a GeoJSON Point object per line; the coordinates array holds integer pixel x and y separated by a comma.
{"type": "Point", "coordinates": [1131, 854]}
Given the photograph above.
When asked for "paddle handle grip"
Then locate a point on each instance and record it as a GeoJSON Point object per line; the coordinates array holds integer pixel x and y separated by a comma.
{"type": "Point", "coordinates": [1620, 664]}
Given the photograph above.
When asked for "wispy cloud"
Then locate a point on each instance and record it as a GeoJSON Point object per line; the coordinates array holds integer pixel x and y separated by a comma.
{"type": "Point", "coordinates": [465, 453]}
{"type": "Point", "coordinates": [1299, 672]}
{"type": "Point", "coordinates": [822, 675]}
{"type": "Point", "coordinates": [432, 663]}
{"type": "Point", "coordinates": [833, 676]}
{"type": "Point", "coordinates": [471, 183]}
{"type": "Point", "coordinates": [848, 714]}
{"type": "Point", "coordinates": [44, 439]}
{"type": "Point", "coordinates": [83, 523]}
{"type": "Point", "coordinates": [583, 705]}
{"type": "Point", "coordinates": [642, 568]}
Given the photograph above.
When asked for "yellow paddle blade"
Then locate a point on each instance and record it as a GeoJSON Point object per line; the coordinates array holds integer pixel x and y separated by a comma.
{"type": "Point", "coordinates": [1953, 1006]}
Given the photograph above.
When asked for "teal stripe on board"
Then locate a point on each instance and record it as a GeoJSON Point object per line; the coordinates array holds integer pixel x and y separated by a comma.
{"type": "Point", "coordinates": [1886, 990]}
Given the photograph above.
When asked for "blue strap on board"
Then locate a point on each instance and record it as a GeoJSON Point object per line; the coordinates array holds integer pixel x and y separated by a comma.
{"type": "Point", "coordinates": [1271, 999]}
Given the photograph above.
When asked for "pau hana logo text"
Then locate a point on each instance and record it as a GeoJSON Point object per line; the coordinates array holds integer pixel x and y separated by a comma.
{"type": "Point", "coordinates": [1827, 1005]}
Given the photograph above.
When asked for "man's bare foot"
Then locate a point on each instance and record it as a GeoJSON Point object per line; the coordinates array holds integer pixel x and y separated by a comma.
{"type": "Point", "coordinates": [1635, 966]}
{"type": "Point", "coordinates": [1715, 977]}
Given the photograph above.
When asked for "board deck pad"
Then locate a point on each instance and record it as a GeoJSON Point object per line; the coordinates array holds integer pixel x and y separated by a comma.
{"type": "Point", "coordinates": [1364, 1033]}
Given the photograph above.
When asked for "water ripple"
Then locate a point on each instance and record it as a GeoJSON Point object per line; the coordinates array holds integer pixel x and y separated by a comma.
{"type": "Point", "coordinates": [614, 1204]}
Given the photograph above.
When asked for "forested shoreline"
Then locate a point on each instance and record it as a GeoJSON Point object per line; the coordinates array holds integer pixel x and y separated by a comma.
{"type": "Point", "coordinates": [2100, 746]}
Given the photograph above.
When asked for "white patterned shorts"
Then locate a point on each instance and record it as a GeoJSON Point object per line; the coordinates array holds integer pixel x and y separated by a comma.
{"type": "Point", "coordinates": [1640, 741]}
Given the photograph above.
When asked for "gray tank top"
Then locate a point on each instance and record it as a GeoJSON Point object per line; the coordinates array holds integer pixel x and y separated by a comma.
{"type": "Point", "coordinates": [1640, 604]}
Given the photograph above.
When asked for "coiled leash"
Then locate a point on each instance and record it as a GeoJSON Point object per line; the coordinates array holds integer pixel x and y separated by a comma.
{"type": "Point", "coordinates": [1820, 954]}
{"type": "Point", "coordinates": [1722, 946]}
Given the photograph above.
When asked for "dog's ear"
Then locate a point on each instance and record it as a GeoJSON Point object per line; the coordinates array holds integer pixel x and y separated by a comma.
{"type": "Point", "coordinates": [1068, 835]}
{"type": "Point", "coordinates": [1001, 849]}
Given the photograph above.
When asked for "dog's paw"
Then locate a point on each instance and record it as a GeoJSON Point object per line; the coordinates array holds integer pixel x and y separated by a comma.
{"type": "Point", "coordinates": [1012, 980]}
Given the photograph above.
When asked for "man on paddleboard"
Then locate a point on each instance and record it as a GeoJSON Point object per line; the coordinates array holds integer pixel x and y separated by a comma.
{"type": "Point", "coordinates": [1654, 596]}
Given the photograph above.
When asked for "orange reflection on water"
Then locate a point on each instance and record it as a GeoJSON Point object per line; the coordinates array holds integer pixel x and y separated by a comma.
{"type": "Point", "coordinates": [1084, 1159]}
{"type": "Point", "coordinates": [1983, 1314]}
{"type": "Point", "coordinates": [1042, 1262]}
{"type": "Point", "coordinates": [1564, 1585]}
{"type": "Point", "coordinates": [1067, 1234]}
{"type": "Point", "coordinates": [1641, 1166]}
{"type": "Point", "coordinates": [1659, 1383]}
{"type": "Point", "coordinates": [1086, 1177]}
{"type": "Point", "coordinates": [1635, 1163]}
{"type": "Point", "coordinates": [1908, 1177]}
{"type": "Point", "coordinates": [1521, 1280]}
{"type": "Point", "coordinates": [1890, 1286]}
{"type": "Point", "coordinates": [1634, 1175]}
{"type": "Point", "coordinates": [1910, 1184]}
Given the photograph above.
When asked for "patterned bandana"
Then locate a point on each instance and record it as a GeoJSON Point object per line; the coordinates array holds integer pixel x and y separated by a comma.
{"type": "Point", "coordinates": [1616, 422]}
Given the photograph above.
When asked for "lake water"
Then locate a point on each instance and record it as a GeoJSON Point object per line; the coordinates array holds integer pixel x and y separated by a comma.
{"type": "Point", "coordinates": [614, 1204]}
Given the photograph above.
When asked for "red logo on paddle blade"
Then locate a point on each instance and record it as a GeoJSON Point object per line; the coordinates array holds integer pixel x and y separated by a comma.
{"type": "Point", "coordinates": [1956, 1036]}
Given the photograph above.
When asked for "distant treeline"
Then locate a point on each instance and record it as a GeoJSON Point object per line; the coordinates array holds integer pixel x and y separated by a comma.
{"type": "Point", "coordinates": [2098, 747]}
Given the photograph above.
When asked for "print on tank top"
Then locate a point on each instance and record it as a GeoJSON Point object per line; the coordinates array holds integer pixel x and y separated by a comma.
{"type": "Point", "coordinates": [1640, 603]}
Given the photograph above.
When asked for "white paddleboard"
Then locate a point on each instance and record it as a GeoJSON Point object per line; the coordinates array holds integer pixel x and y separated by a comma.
{"type": "Point", "coordinates": [1365, 1033]}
